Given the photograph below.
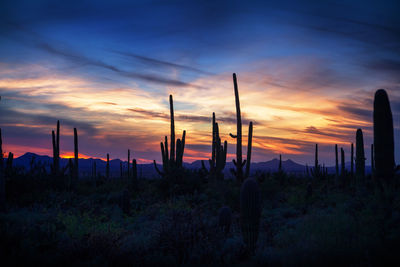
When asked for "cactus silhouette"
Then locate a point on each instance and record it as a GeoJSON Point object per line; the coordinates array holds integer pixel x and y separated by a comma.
{"type": "Point", "coordinates": [383, 136]}
{"type": "Point", "coordinates": [171, 162]}
{"type": "Point", "coordinates": [316, 172]}
{"type": "Point", "coordinates": [225, 219]}
{"type": "Point", "coordinates": [218, 155]}
{"type": "Point", "coordinates": [239, 163]}
{"type": "Point", "coordinates": [250, 212]}
{"type": "Point", "coordinates": [360, 156]}
{"type": "Point", "coordinates": [56, 150]}
{"type": "Point", "coordinates": [280, 163]}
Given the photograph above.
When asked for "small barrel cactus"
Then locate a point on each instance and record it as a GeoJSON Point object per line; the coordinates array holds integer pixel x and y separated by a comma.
{"type": "Point", "coordinates": [225, 219]}
{"type": "Point", "coordinates": [250, 212]}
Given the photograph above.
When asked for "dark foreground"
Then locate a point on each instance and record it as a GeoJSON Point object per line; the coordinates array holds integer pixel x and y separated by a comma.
{"type": "Point", "coordinates": [162, 222]}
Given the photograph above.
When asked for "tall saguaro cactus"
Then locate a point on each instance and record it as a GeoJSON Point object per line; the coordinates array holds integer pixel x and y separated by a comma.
{"type": "Point", "coordinates": [174, 160]}
{"type": "Point", "coordinates": [239, 163]}
{"type": "Point", "coordinates": [383, 136]}
{"type": "Point", "coordinates": [56, 150]}
{"type": "Point", "coordinates": [218, 155]}
{"type": "Point", "coordinates": [250, 212]}
{"type": "Point", "coordinates": [360, 156]}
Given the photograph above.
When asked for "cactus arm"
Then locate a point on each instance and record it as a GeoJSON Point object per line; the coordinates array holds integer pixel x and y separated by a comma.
{"type": "Point", "coordinates": [249, 143]}
{"type": "Point", "coordinates": [232, 135]}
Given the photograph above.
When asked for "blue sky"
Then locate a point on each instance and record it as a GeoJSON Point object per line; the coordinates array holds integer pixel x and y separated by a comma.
{"type": "Point", "coordinates": [307, 73]}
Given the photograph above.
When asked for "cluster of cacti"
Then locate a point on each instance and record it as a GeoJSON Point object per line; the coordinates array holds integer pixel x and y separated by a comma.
{"type": "Point", "coordinates": [172, 161]}
{"type": "Point", "coordinates": [360, 156]}
{"type": "Point", "coordinates": [250, 212]}
{"type": "Point", "coordinates": [225, 219]}
{"type": "Point", "coordinates": [239, 162]}
{"type": "Point", "coordinates": [218, 155]}
{"type": "Point", "coordinates": [383, 137]}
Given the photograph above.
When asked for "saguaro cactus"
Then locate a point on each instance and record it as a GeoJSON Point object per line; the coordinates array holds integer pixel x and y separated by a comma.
{"type": "Point", "coordinates": [360, 157]}
{"type": "Point", "coordinates": [56, 150]}
{"type": "Point", "coordinates": [239, 163]}
{"type": "Point", "coordinates": [173, 161]}
{"type": "Point", "coordinates": [316, 171]}
{"type": "Point", "coordinates": [383, 136]}
{"type": "Point", "coordinates": [280, 163]}
{"type": "Point", "coordinates": [218, 154]}
{"type": "Point", "coordinates": [250, 212]}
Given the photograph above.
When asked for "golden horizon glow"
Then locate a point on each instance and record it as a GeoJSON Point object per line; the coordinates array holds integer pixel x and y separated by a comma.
{"type": "Point", "coordinates": [285, 120]}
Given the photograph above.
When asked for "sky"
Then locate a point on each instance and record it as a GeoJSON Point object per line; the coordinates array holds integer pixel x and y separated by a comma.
{"type": "Point", "coordinates": [307, 72]}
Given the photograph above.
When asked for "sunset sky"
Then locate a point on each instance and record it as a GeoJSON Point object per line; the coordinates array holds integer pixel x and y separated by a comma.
{"type": "Point", "coordinates": [307, 73]}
